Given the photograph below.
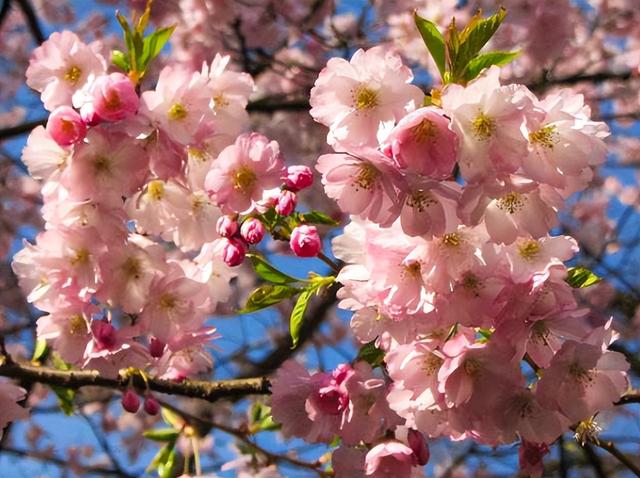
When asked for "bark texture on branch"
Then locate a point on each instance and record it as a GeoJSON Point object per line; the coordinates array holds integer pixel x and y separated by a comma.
{"type": "Point", "coordinates": [205, 390]}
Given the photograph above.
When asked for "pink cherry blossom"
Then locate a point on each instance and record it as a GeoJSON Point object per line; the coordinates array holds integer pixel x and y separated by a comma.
{"type": "Point", "coordinates": [62, 66]}
{"type": "Point", "coordinates": [243, 171]}
{"type": "Point", "coordinates": [305, 241]}
{"type": "Point", "coordinates": [361, 99]}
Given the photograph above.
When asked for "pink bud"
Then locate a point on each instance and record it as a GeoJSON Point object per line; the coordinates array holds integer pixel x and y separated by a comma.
{"type": "Point", "coordinates": [252, 230]}
{"type": "Point", "coordinates": [156, 347]}
{"type": "Point", "coordinates": [104, 334]}
{"type": "Point", "coordinates": [151, 405]}
{"type": "Point", "coordinates": [130, 401]}
{"type": "Point", "coordinates": [227, 226]}
{"type": "Point", "coordinates": [65, 126]}
{"type": "Point", "coordinates": [234, 252]}
{"type": "Point", "coordinates": [305, 241]}
{"type": "Point", "coordinates": [114, 97]}
{"type": "Point", "coordinates": [419, 446]}
{"type": "Point", "coordinates": [298, 177]}
{"type": "Point", "coordinates": [286, 204]}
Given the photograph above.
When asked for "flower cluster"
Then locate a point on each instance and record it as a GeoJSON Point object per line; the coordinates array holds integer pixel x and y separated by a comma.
{"type": "Point", "coordinates": [450, 269]}
{"type": "Point", "coordinates": [131, 263]}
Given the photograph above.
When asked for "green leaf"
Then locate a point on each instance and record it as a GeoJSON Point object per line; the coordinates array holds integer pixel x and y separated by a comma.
{"type": "Point", "coordinates": [580, 277]}
{"type": "Point", "coordinates": [268, 295]}
{"type": "Point", "coordinates": [261, 419]}
{"type": "Point", "coordinates": [473, 38]}
{"type": "Point", "coordinates": [153, 45]}
{"type": "Point", "coordinates": [40, 351]}
{"type": "Point", "coordinates": [162, 434]}
{"type": "Point", "coordinates": [65, 398]}
{"type": "Point", "coordinates": [165, 469]}
{"type": "Point", "coordinates": [434, 41]}
{"type": "Point", "coordinates": [120, 60]}
{"type": "Point", "coordinates": [162, 459]}
{"type": "Point", "coordinates": [297, 315]}
{"type": "Point", "coordinates": [371, 354]}
{"type": "Point", "coordinates": [270, 273]}
{"type": "Point", "coordinates": [126, 31]}
{"type": "Point", "coordinates": [317, 217]}
{"type": "Point", "coordinates": [480, 62]}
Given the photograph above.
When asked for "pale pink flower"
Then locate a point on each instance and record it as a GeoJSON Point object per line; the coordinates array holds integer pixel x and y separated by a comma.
{"type": "Point", "coordinates": [230, 93]}
{"type": "Point", "coordinates": [243, 171]}
{"type": "Point", "coordinates": [107, 164]}
{"type": "Point", "coordinates": [582, 379]}
{"type": "Point", "coordinates": [298, 177]}
{"type": "Point", "coordinates": [489, 120]}
{"type": "Point", "coordinates": [361, 184]}
{"type": "Point", "coordinates": [44, 157]}
{"type": "Point", "coordinates": [62, 66]}
{"type": "Point", "coordinates": [179, 105]}
{"type": "Point", "coordinates": [176, 305]}
{"type": "Point", "coordinates": [9, 409]}
{"type": "Point", "coordinates": [564, 141]}
{"type": "Point", "coordinates": [422, 143]}
{"type": "Point", "coordinates": [361, 99]}
{"type": "Point", "coordinates": [65, 126]}
{"type": "Point", "coordinates": [67, 330]}
{"type": "Point", "coordinates": [511, 208]}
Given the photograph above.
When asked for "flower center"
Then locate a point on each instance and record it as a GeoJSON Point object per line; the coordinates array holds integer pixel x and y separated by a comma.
{"type": "Point", "coordinates": [545, 136]}
{"type": "Point", "coordinates": [101, 165]}
{"type": "Point", "coordinates": [366, 98]}
{"type": "Point", "coordinates": [155, 189]}
{"type": "Point", "coordinates": [420, 200]}
{"type": "Point", "coordinates": [167, 302]}
{"type": "Point", "coordinates": [220, 102]}
{"type": "Point", "coordinates": [81, 257]}
{"type": "Point", "coordinates": [472, 367]}
{"type": "Point", "coordinates": [529, 249]}
{"type": "Point", "coordinates": [66, 126]}
{"type": "Point", "coordinates": [244, 179]}
{"type": "Point", "coordinates": [177, 112]}
{"type": "Point", "coordinates": [77, 325]}
{"type": "Point", "coordinates": [580, 374]}
{"type": "Point", "coordinates": [132, 268]}
{"type": "Point", "coordinates": [367, 176]}
{"type": "Point", "coordinates": [483, 126]}
{"type": "Point", "coordinates": [511, 202]}
{"type": "Point", "coordinates": [424, 131]}
{"type": "Point", "coordinates": [431, 364]}
{"type": "Point", "coordinates": [453, 239]}
{"type": "Point", "coordinates": [73, 75]}
{"type": "Point", "coordinates": [112, 100]}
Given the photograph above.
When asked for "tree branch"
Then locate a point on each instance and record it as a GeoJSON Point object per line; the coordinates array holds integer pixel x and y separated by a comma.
{"type": "Point", "coordinates": [205, 390]}
{"type": "Point", "coordinates": [32, 20]}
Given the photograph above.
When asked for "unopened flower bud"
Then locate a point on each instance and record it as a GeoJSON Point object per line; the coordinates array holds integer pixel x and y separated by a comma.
{"type": "Point", "coordinates": [298, 177]}
{"type": "Point", "coordinates": [114, 97]}
{"type": "Point", "coordinates": [419, 446]}
{"type": "Point", "coordinates": [151, 405]}
{"type": "Point", "coordinates": [104, 334]}
{"type": "Point", "coordinates": [227, 226]}
{"type": "Point", "coordinates": [305, 241]}
{"type": "Point", "coordinates": [156, 348]}
{"type": "Point", "coordinates": [130, 401]}
{"type": "Point", "coordinates": [286, 204]}
{"type": "Point", "coordinates": [65, 126]}
{"type": "Point", "coordinates": [252, 230]}
{"type": "Point", "coordinates": [234, 252]}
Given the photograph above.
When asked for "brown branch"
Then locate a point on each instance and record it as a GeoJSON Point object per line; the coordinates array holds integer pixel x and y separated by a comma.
{"type": "Point", "coordinates": [64, 463]}
{"type": "Point", "coordinates": [622, 458]}
{"type": "Point", "coordinates": [630, 397]}
{"type": "Point", "coordinates": [19, 130]}
{"type": "Point", "coordinates": [205, 390]}
{"type": "Point", "coordinates": [32, 20]}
